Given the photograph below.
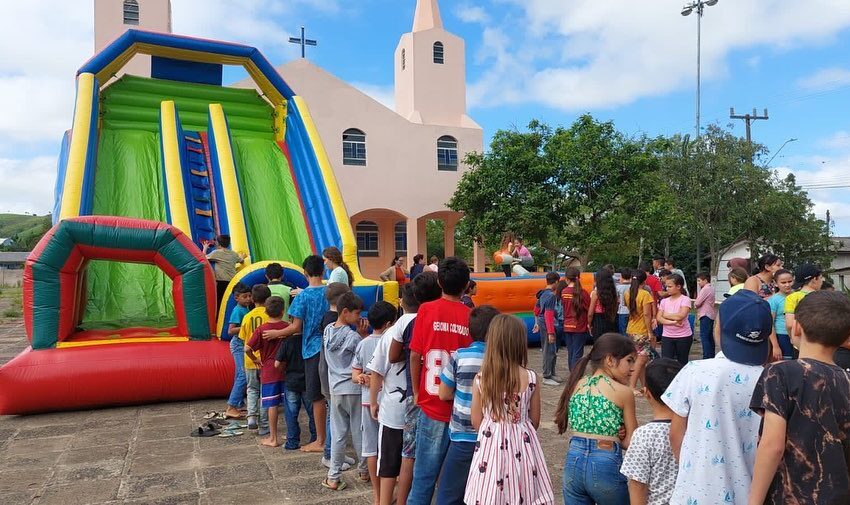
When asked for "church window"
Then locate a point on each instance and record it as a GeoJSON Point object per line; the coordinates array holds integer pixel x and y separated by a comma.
{"type": "Point", "coordinates": [367, 238]}
{"type": "Point", "coordinates": [353, 147]}
{"type": "Point", "coordinates": [401, 238]}
{"type": "Point", "coordinates": [403, 59]}
{"type": "Point", "coordinates": [438, 53]}
{"type": "Point", "coordinates": [131, 12]}
{"type": "Point", "coordinates": [447, 153]}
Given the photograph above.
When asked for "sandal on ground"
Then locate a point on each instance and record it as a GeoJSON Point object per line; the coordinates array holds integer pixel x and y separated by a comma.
{"type": "Point", "coordinates": [337, 486]}
{"type": "Point", "coordinates": [228, 433]}
{"type": "Point", "coordinates": [364, 477]}
{"type": "Point", "coordinates": [206, 430]}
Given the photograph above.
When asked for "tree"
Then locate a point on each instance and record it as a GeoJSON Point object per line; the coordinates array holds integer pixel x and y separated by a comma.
{"type": "Point", "coordinates": [575, 191]}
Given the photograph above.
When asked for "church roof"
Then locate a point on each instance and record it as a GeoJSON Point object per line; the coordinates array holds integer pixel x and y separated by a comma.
{"type": "Point", "coordinates": [427, 16]}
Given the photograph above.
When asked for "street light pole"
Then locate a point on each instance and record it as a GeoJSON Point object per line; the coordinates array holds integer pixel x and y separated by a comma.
{"type": "Point", "coordinates": [698, 6]}
{"type": "Point", "coordinates": [778, 150]}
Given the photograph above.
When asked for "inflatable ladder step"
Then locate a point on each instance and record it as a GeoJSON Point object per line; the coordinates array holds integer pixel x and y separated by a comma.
{"type": "Point", "coordinates": [198, 175]}
{"type": "Point", "coordinates": [200, 212]}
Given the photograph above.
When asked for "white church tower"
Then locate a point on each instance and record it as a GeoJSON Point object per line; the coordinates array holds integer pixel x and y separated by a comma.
{"type": "Point", "coordinates": [114, 17]}
{"type": "Point", "coordinates": [430, 72]}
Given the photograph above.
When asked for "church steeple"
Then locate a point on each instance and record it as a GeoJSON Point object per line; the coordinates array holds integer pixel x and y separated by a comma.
{"type": "Point", "coordinates": [427, 16]}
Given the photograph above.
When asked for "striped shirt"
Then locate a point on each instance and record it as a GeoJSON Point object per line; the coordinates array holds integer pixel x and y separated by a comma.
{"type": "Point", "coordinates": [459, 373]}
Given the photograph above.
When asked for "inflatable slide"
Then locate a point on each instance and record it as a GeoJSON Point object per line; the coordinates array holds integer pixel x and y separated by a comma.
{"type": "Point", "coordinates": [119, 307]}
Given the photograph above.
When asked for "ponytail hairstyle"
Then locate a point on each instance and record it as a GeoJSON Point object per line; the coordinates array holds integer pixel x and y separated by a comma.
{"type": "Point", "coordinates": [573, 275]}
{"type": "Point", "coordinates": [559, 288]}
{"type": "Point", "coordinates": [606, 293]}
{"type": "Point", "coordinates": [638, 280]}
{"type": "Point", "coordinates": [610, 344]}
{"type": "Point", "coordinates": [505, 359]}
{"type": "Point", "coordinates": [764, 262]}
{"type": "Point", "coordinates": [677, 280]}
{"type": "Point", "coordinates": [334, 254]}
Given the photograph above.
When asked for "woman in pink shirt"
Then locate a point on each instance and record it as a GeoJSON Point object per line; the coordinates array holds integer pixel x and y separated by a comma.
{"type": "Point", "coordinates": [673, 314]}
{"type": "Point", "coordinates": [704, 304]}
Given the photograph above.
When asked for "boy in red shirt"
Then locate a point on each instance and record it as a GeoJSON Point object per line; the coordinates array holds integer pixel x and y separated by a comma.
{"type": "Point", "coordinates": [271, 379]}
{"type": "Point", "coordinates": [442, 327]}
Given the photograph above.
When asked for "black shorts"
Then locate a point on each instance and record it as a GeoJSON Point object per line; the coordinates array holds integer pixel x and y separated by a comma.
{"type": "Point", "coordinates": [313, 384]}
{"type": "Point", "coordinates": [389, 452]}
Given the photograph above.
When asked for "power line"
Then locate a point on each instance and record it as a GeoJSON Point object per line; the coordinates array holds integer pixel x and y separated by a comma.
{"type": "Point", "coordinates": [748, 119]}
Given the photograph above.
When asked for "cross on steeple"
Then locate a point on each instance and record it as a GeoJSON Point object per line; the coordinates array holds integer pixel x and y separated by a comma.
{"type": "Point", "coordinates": [303, 41]}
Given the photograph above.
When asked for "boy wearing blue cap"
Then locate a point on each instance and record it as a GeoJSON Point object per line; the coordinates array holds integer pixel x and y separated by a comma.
{"type": "Point", "coordinates": [714, 433]}
{"type": "Point", "coordinates": [804, 452]}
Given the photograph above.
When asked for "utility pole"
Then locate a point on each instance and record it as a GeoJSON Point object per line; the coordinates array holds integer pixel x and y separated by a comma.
{"type": "Point", "coordinates": [748, 119]}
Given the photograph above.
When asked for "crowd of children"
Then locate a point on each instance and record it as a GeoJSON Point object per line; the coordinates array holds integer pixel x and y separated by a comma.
{"type": "Point", "coordinates": [439, 402]}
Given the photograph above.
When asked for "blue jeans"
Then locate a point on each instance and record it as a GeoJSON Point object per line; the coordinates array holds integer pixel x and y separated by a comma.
{"type": "Point", "coordinates": [327, 433]}
{"type": "Point", "coordinates": [622, 323]}
{"type": "Point", "coordinates": [592, 474]}
{"type": "Point", "coordinates": [785, 345]}
{"type": "Point", "coordinates": [575, 346]}
{"type": "Point", "coordinates": [432, 443]}
{"type": "Point", "coordinates": [240, 382]}
{"type": "Point", "coordinates": [706, 337]}
{"type": "Point", "coordinates": [455, 472]}
{"type": "Point", "coordinates": [294, 401]}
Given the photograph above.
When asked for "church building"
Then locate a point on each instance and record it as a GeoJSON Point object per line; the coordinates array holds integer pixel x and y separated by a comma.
{"type": "Point", "coordinates": [396, 168]}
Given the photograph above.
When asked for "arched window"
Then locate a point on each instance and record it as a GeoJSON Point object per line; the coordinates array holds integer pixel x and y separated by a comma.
{"type": "Point", "coordinates": [446, 153]}
{"type": "Point", "coordinates": [131, 12]}
{"type": "Point", "coordinates": [401, 238]}
{"type": "Point", "coordinates": [367, 238]}
{"type": "Point", "coordinates": [403, 59]}
{"type": "Point", "coordinates": [353, 147]}
{"type": "Point", "coordinates": [438, 53]}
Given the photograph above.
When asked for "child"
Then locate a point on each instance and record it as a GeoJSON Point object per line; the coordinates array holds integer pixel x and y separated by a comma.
{"type": "Point", "coordinates": [260, 294]}
{"type": "Point", "coordinates": [704, 303]}
{"type": "Point", "coordinates": [804, 452]}
{"type": "Point", "coordinates": [340, 346]}
{"type": "Point", "coordinates": [508, 465]}
{"type": "Point", "coordinates": [595, 406]}
{"type": "Point", "coordinates": [641, 306]}
{"type": "Point", "coordinates": [807, 278]}
{"type": "Point", "coordinates": [340, 272]}
{"type": "Point", "coordinates": [332, 293]}
{"type": "Point", "coordinates": [271, 376]}
{"type": "Point", "coordinates": [545, 312]}
{"type": "Point", "coordinates": [785, 283]}
{"type": "Point", "coordinates": [575, 301]}
{"type": "Point", "coordinates": [242, 294]}
{"type": "Point", "coordinates": [442, 326]}
{"type": "Point", "coordinates": [670, 265]}
{"type": "Point", "coordinates": [623, 309]}
{"type": "Point", "coordinates": [289, 359]}
{"type": "Point", "coordinates": [381, 316]}
{"type": "Point", "coordinates": [456, 384]}
{"type": "Point", "coordinates": [649, 463]}
{"type": "Point", "coordinates": [471, 290]}
{"type": "Point", "coordinates": [737, 277]}
{"type": "Point", "coordinates": [223, 261]}
{"type": "Point", "coordinates": [673, 315]}
{"type": "Point", "coordinates": [390, 409]}
{"type": "Point", "coordinates": [713, 433]}
{"type": "Point", "coordinates": [306, 312]}
{"type": "Point", "coordinates": [274, 276]}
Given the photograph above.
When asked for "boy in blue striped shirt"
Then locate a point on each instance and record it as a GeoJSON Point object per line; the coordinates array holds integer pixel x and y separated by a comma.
{"type": "Point", "coordinates": [456, 383]}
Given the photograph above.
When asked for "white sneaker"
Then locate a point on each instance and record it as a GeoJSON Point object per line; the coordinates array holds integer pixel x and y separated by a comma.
{"type": "Point", "coordinates": [345, 466]}
{"type": "Point", "coordinates": [551, 382]}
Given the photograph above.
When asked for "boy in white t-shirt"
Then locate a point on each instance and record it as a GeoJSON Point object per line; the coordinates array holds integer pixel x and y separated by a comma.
{"type": "Point", "coordinates": [714, 432]}
{"type": "Point", "coordinates": [649, 463]}
{"type": "Point", "coordinates": [389, 408]}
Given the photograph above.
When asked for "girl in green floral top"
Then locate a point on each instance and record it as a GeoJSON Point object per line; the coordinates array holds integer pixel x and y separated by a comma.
{"type": "Point", "coordinates": [598, 407]}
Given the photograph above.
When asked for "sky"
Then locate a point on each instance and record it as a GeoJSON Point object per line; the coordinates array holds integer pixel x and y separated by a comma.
{"type": "Point", "coordinates": [633, 63]}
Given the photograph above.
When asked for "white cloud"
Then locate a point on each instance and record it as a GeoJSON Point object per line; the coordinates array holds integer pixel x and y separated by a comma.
{"type": "Point", "coordinates": [612, 53]}
{"type": "Point", "coordinates": [826, 79]}
{"type": "Point", "coordinates": [383, 94]}
{"type": "Point", "coordinates": [27, 184]}
{"type": "Point", "coordinates": [827, 180]}
{"type": "Point", "coordinates": [839, 140]}
{"type": "Point", "coordinates": [471, 14]}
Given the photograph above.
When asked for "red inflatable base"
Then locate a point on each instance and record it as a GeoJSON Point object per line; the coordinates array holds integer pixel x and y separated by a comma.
{"type": "Point", "coordinates": [79, 378]}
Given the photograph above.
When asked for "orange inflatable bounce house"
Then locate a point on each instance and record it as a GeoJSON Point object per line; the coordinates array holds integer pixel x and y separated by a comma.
{"type": "Point", "coordinates": [517, 295]}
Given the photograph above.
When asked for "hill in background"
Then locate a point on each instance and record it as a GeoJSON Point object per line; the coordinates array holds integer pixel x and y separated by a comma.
{"type": "Point", "coordinates": [26, 230]}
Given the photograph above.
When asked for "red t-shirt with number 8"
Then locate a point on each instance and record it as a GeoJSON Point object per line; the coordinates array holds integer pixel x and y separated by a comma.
{"type": "Point", "coordinates": [442, 327]}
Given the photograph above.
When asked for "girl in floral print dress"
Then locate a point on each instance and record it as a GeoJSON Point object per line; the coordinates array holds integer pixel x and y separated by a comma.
{"type": "Point", "coordinates": [508, 465]}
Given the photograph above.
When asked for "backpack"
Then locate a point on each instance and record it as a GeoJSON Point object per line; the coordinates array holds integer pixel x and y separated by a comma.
{"type": "Point", "coordinates": [406, 337]}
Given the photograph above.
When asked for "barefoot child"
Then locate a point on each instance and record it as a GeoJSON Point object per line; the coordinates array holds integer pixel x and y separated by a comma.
{"type": "Point", "coordinates": [649, 463]}
{"type": "Point", "coordinates": [381, 316]}
{"type": "Point", "coordinates": [508, 465]}
{"type": "Point", "coordinates": [340, 345]}
{"type": "Point", "coordinates": [271, 378]}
